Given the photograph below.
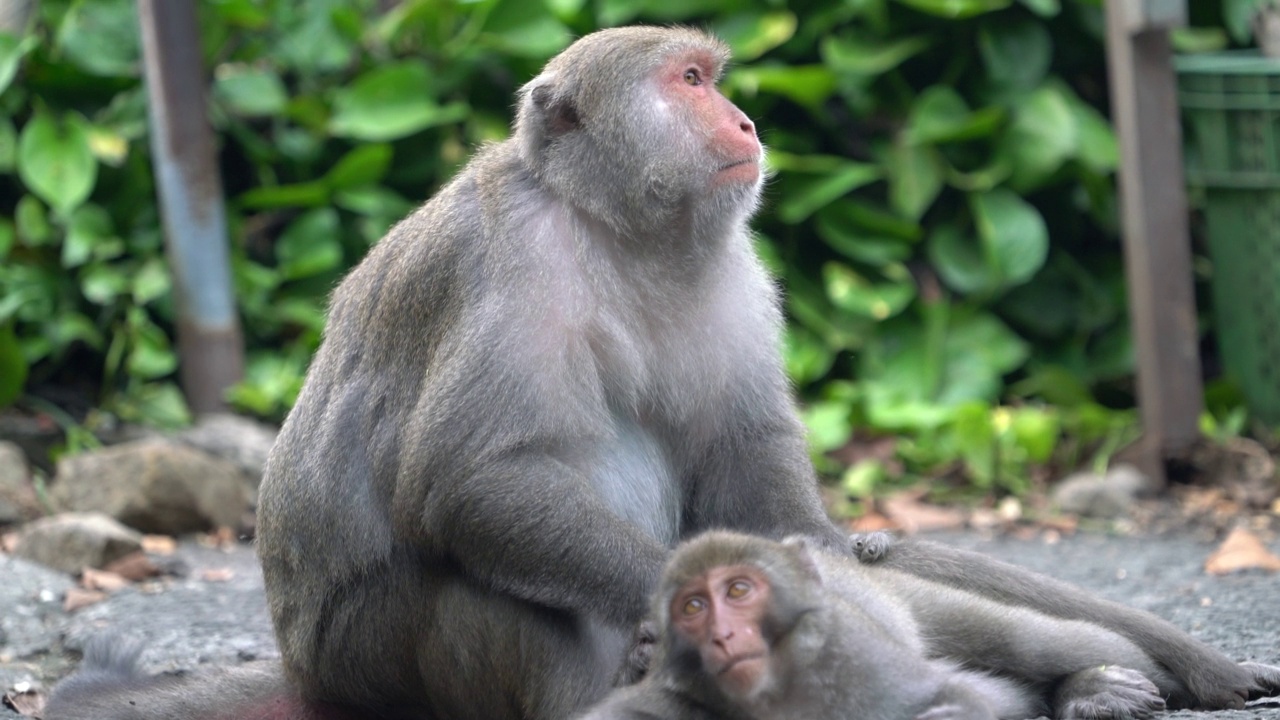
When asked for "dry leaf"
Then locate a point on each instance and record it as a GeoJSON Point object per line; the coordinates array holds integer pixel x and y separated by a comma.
{"type": "Point", "coordinates": [914, 516]}
{"type": "Point", "coordinates": [9, 541]}
{"type": "Point", "coordinates": [79, 597]}
{"type": "Point", "coordinates": [26, 702]}
{"type": "Point", "coordinates": [103, 580]}
{"type": "Point", "coordinates": [134, 566]}
{"type": "Point", "coordinates": [871, 522]}
{"type": "Point", "coordinates": [159, 544]}
{"type": "Point", "coordinates": [217, 575]}
{"type": "Point", "coordinates": [1241, 550]}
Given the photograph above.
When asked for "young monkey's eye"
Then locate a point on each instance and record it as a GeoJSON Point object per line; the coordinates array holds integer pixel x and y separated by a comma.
{"type": "Point", "coordinates": [692, 77]}
{"type": "Point", "coordinates": [738, 589]}
{"type": "Point", "coordinates": [693, 606]}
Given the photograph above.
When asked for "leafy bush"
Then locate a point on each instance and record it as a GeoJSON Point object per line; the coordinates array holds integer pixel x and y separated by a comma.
{"type": "Point", "coordinates": [942, 212]}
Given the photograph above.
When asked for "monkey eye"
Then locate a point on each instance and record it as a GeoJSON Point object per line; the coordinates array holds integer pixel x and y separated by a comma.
{"type": "Point", "coordinates": [738, 589]}
{"type": "Point", "coordinates": [692, 77]}
{"type": "Point", "coordinates": [693, 606]}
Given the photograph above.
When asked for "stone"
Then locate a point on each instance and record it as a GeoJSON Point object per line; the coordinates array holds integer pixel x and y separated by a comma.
{"type": "Point", "coordinates": [17, 496]}
{"type": "Point", "coordinates": [240, 440]}
{"type": "Point", "coordinates": [1104, 497]}
{"type": "Point", "coordinates": [155, 485]}
{"type": "Point", "coordinates": [71, 542]}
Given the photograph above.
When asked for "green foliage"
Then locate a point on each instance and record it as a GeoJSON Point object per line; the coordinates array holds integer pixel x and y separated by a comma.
{"type": "Point", "coordinates": [941, 211]}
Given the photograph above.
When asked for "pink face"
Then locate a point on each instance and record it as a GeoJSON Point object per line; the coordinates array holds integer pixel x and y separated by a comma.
{"type": "Point", "coordinates": [689, 82]}
{"type": "Point", "coordinates": [721, 613]}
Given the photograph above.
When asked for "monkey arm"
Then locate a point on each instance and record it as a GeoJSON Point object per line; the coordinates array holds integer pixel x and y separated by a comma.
{"type": "Point", "coordinates": [531, 526]}
{"type": "Point", "coordinates": [759, 479]}
{"type": "Point", "coordinates": [1212, 680]}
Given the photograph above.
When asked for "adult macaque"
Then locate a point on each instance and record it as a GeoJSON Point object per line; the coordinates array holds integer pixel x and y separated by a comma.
{"type": "Point", "coordinates": [749, 629]}
{"type": "Point", "coordinates": [1198, 676]}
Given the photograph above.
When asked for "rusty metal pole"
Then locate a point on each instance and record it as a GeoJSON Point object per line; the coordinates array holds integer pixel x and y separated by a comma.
{"type": "Point", "coordinates": [210, 347]}
{"type": "Point", "coordinates": [1157, 243]}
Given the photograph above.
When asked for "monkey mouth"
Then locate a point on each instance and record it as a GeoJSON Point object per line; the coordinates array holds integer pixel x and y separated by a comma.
{"type": "Point", "coordinates": [736, 163]}
{"type": "Point", "coordinates": [737, 660]}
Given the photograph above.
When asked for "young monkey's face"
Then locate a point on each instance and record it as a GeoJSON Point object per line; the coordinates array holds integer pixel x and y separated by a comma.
{"type": "Point", "coordinates": [721, 612]}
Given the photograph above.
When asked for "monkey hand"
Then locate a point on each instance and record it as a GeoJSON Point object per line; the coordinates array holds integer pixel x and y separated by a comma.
{"type": "Point", "coordinates": [1109, 692]}
{"type": "Point", "coordinates": [636, 664]}
{"type": "Point", "coordinates": [870, 547]}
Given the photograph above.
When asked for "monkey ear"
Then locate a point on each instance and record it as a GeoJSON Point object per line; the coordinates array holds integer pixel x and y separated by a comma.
{"type": "Point", "coordinates": [546, 112]}
{"type": "Point", "coordinates": [802, 549]}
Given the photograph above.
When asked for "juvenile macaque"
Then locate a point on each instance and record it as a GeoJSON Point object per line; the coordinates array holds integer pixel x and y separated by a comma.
{"type": "Point", "coordinates": [749, 630]}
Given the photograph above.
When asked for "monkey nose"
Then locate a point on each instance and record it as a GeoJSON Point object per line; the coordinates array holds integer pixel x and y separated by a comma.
{"type": "Point", "coordinates": [747, 126]}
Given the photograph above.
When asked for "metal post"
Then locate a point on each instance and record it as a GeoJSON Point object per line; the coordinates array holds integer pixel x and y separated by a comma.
{"type": "Point", "coordinates": [1162, 308]}
{"type": "Point", "coordinates": [210, 347]}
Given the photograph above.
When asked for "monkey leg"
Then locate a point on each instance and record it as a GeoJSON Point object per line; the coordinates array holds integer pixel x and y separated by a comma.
{"type": "Point", "coordinates": [406, 637]}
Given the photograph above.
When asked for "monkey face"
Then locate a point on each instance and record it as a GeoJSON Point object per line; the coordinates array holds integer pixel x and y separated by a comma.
{"type": "Point", "coordinates": [721, 613]}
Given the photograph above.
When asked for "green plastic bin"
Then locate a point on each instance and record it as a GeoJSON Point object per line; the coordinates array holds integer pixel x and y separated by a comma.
{"type": "Point", "coordinates": [1231, 121]}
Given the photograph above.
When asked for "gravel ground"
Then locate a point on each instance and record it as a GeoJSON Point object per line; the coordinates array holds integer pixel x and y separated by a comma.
{"type": "Point", "coordinates": [217, 613]}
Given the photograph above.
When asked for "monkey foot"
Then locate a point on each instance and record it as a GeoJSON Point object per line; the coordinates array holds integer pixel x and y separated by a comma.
{"type": "Point", "coordinates": [870, 547]}
{"type": "Point", "coordinates": [1264, 679]}
{"type": "Point", "coordinates": [1107, 693]}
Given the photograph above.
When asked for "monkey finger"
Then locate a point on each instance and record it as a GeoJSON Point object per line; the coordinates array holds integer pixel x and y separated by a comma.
{"type": "Point", "coordinates": [1264, 680]}
{"type": "Point", "coordinates": [870, 547]}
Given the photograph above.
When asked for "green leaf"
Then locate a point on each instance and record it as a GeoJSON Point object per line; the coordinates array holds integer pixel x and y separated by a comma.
{"type": "Point", "coordinates": [55, 160]}
{"type": "Point", "coordinates": [525, 29]}
{"type": "Point", "coordinates": [617, 12]}
{"type": "Point", "coordinates": [8, 146]}
{"type": "Point", "coordinates": [802, 196]}
{"type": "Point", "coordinates": [391, 102]}
{"type": "Point", "coordinates": [960, 261]}
{"type": "Point", "coordinates": [856, 244]}
{"type": "Point", "coordinates": [1036, 430]}
{"type": "Point", "coordinates": [13, 366]}
{"type": "Point", "coordinates": [940, 115]}
{"type": "Point", "coordinates": [957, 8]}
{"type": "Point", "coordinates": [250, 91]}
{"type": "Point", "coordinates": [314, 45]}
{"type": "Point", "coordinates": [1097, 148]}
{"type": "Point", "coordinates": [852, 292]}
{"type": "Point", "coordinates": [32, 222]}
{"type": "Point", "coordinates": [310, 245]}
{"type": "Point", "coordinates": [102, 37]}
{"type": "Point", "coordinates": [374, 201]}
{"type": "Point", "coordinates": [807, 85]}
{"type": "Point", "coordinates": [310, 194]}
{"type": "Point", "coordinates": [1044, 135]}
{"type": "Point", "coordinates": [150, 356]}
{"type": "Point", "coordinates": [151, 281]}
{"type": "Point", "coordinates": [102, 284]}
{"type": "Point", "coordinates": [873, 220]}
{"type": "Point", "coordinates": [364, 165]}
{"type": "Point", "coordinates": [157, 404]}
{"type": "Point", "coordinates": [1014, 235]}
{"type": "Point", "coordinates": [1237, 16]}
{"type": "Point", "coordinates": [915, 177]}
{"type": "Point", "coordinates": [869, 56]}
{"type": "Point", "coordinates": [752, 34]}
{"type": "Point", "coordinates": [1016, 52]}
{"type": "Point", "coordinates": [807, 358]}
{"type": "Point", "coordinates": [12, 51]}
{"type": "Point", "coordinates": [829, 423]}
{"type": "Point", "coordinates": [89, 226]}
{"type": "Point", "coordinates": [1043, 8]}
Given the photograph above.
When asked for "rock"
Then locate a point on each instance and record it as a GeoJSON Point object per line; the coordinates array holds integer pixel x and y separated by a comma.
{"type": "Point", "coordinates": [72, 541]}
{"type": "Point", "coordinates": [156, 486]}
{"type": "Point", "coordinates": [17, 496]}
{"type": "Point", "coordinates": [1107, 496]}
{"type": "Point", "coordinates": [239, 440]}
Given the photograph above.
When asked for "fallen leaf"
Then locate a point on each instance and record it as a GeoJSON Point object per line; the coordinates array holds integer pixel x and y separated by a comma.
{"type": "Point", "coordinates": [1242, 550]}
{"type": "Point", "coordinates": [222, 538]}
{"type": "Point", "coordinates": [217, 575]}
{"type": "Point", "coordinates": [134, 566]}
{"type": "Point", "coordinates": [103, 580]}
{"type": "Point", "coordinates": [79, 598]}
{"type": "Point", "coordinates": [26, 702]}
{"type": "Point", "coordinates": [159, 544]}
{"type": "Point", "coordinates": [871, 522]}
{"type": "Point", "coordinates": [8, 541]}
{"type": "Point", "coordinates": [914, 516]}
